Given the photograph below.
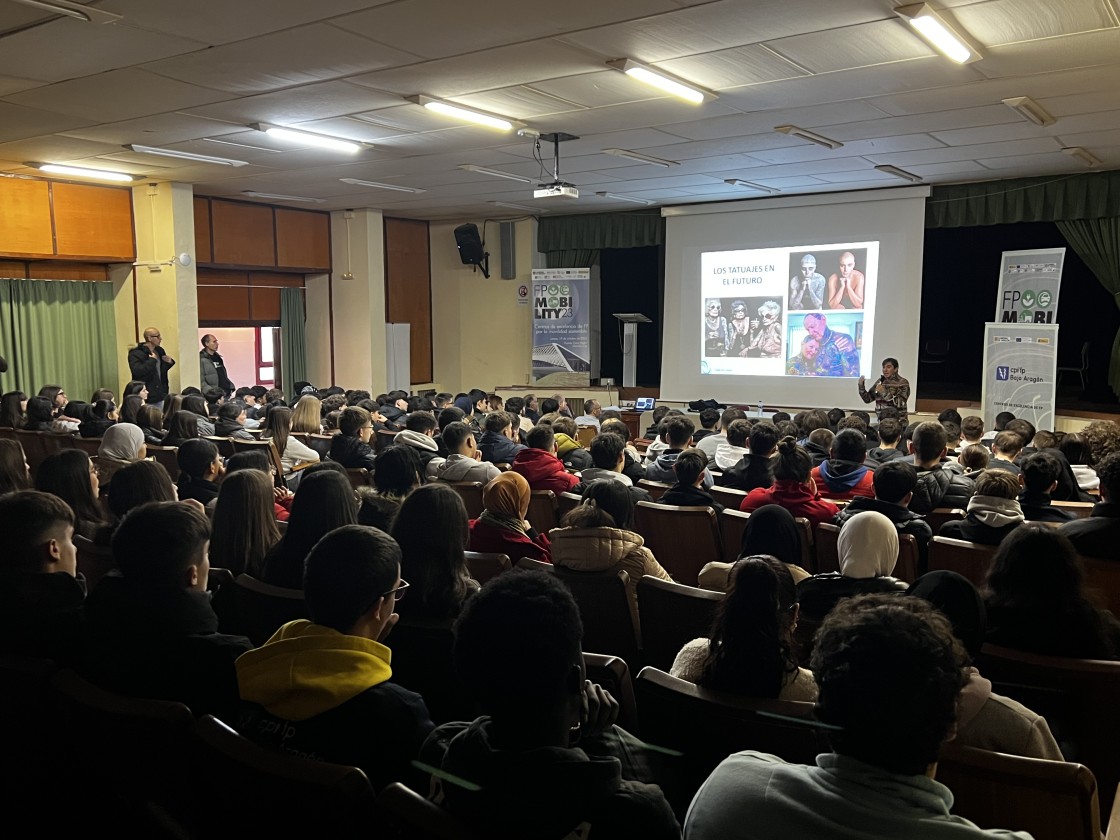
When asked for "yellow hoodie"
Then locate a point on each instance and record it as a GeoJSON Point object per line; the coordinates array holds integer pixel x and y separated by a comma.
{"type": "Point", "coordinates": [565, 444]}
{"type": "Point", "coordinates": [306, 669]}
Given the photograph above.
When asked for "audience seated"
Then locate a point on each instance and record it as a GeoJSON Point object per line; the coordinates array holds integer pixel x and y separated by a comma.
{"type": "Point", "coordinates": [770, 530]}
{"type": "Point", "coordinates": [608, 453]}
{"type": "Point", "coordinates": [322, 688]}
{"type": "Point", "coordinates": [596, 536]}
{"type": "Point", "coordinates": [689, 469]}
{"type": "Point", "coordinates": [887, 725]}
{"type": "Point", "coordinates": [350, 447]}
{"type": "Point", "coordinates": [138, 483]}
{"type": "Point", "coordinates": [12, 407]}
{"type": "Point", "coordinates": [498, 443]}
{"type": "Point", "coordinates": [750, 649]}
{"type": "Point", "coordinates": [259, 461]}
{"type": "Point", "coordinates": [1005, 449]}
{"type": "Point", "coordinates": [755, 469]}
{"type": "Point", "coordinates": [69, 421]}
{"type": "Point", "coordinates": [676, 432]}
{"type": "Point", "coordinates": [894, 487]}
{"type": "Point", "coordinates": [590, 417]}
{"type": "Point", "coordinates": [200, 470]}
{"type": "Point", "coordinates": [568, 448]}
{"type": "Point", "coordinates": [985, 720]}
{"type": "Point", "coordinates": [231, 421]}
{"type": "Point", "coordinates": [1036, 601]}
{"type": "Point", "coordinates": [1099, 534]}
{"type": "Point", "coordinates": [397, 472]}
{"type": "Point", "coordinates": [40, 413]}
{"type": "Point", "coordinates": [15, 474]}
{"type": "Point", "coordinates": [818, 443]}
{"type": "Point", "coordinates": [633, 468]}
{"type": "Point", "coordinates": [419, 433]}
{"type": "Point", "coordinates": [71, 475]}
{"type": "Point", "coordinates": [993, 512]}
{"type": "Point", "coordinates": [938, 486]}
{"type": "Point", "coordinates": [540, 466]}
{"type": "Point", "coordinates": [1077, 452]}
{"type": "Point", "coordinates": [183, 427]}
{"type": "Point", "coordinates": [709, 420]}
{"type": "Point", "coordinates": [843, 475]}
{"type": "Point", "coordinates": [890, 433]}
{"type": "Point", "coordinates": [307, 415]}
{"type": "Point", "coordinates": [711, 444]}
{"type": "Point", "coordinates": [150, 420]}
{"type": "Point", "coordinates": [151, 631]}
{"type": "Point", "coordinates": [544, 760]}
{"type": "Point", "coordinates": [974, 459]}
{"type": "Point", "coordinates": [41, 593]}
{"type": "Point", "coordinates": [122, 443]}
{"type": "Point", "coordinates": [1039, 479]}
{"type": "Point", "coordinates": [324, 501]}
{"type": "Point", "coordinates": [464, 461]}
{"type": "Point", "coordinates": [196, 404]}
{"type": "Point", "coordinates": [868, 549]}
{"type": "Point", "coordinates": [278, 428]}
{"type": "Point", "coordinates": [793, 487]}
{"type": "Point", "coordinates": [502, 528]}
{"type": "Point", "coordinates": [244, 523]}
{"type": "Point", "coordinates": [972, 432]}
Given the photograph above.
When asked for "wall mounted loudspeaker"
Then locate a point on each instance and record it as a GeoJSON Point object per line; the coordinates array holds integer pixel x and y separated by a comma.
{"type": "Point", "coordinates": [471, 251]}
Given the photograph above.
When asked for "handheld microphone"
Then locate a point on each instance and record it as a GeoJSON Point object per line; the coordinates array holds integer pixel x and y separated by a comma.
{"type": "Point", "coordinates": [882, 379]}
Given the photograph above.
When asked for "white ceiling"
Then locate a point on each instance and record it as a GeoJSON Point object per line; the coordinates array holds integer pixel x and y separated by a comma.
{"type": "Point", "coordinates": [193, 76]}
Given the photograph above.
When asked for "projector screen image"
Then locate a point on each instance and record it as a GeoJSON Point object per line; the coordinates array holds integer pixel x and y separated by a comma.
{"type": "Point", "coordinates": [805, 310]}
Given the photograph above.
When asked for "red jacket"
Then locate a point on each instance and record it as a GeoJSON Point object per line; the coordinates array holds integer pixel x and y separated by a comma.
{"type": "Point", "coordinates": [857, 482]}
{"type": "Point", "coordinates": [797, 498]}
{"type": "Point", "coordinates": [488, 539]}
{"type": "Point", "coordinates": [543, 471]}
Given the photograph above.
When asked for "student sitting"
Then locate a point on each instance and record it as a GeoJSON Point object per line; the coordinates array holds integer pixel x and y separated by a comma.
{"type": "Point", "coordinates": [633, 468]}
{"type": "Point", "coordinates": [590, 417]}
{"type": "Point", "coordinates": [502, 527]}
{"type": "Point", "coordinates": [464, 461]}
{"type": "Point", "coordinates": [231, 421]}
{"type": "Point", "coordinates": [568, 448]}
{"type": "Point", "coordinates": [974, 459]}
{"type": "Point", "coordinates": [993, 512]}
{"type": "Point", "coordinates": [540, 466]}
{"type": "Point", "coordinates": [1005, 449]}
{"type": "Point", "coordinates": [843, 475]}
{"type": "Point", "coordinates": [419, 433]}
{"type": "Point", "coordinates": [200, 470]}
{"type": "Point", "coordinates": [710, 444]}
{"type": "Point", "coordinates": [756, 468]}
{"type": "Point", "coordinates": [894, 487]}
{"type": "Point", "coordinates": [1039, 479]}
{"type": "Point", "coordinates": [676, 432]}
{"type": "Point", "coordinates": [890, 432]}
{"type": "Point", "coordinates": [350, 447]}
{"type": "Point", "coordinates": [793, 489]}
{"type": "Point", "coordinates": [688, 469]}
{"type": "Point", "coordinates": [608, 453]}
{"type": "Point", "coordinates": [498, 443]}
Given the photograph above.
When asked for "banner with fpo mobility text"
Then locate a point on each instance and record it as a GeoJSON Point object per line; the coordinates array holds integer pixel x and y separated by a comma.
{"type": "Point", "coordinates": [561, 326]}
{"type": "Point", "coordinates": [1028, 286]}
{"type": "Point", "coordinates": [1020, 368]}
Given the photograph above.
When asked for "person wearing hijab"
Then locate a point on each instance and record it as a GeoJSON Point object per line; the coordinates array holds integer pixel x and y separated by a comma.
{"type": "Point", "coordinates": [770, 530]}
{"type": "Point", "coordinates": [122, 444]}
{"type": "Point", "coordinates": [868, 548]}
{"type": "Point", "coordinates": [502, 527]}
{"type": "Point", "coordinates": [985, 720]}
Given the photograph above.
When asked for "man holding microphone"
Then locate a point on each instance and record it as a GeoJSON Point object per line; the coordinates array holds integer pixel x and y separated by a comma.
{"type": "Point", "coordinates": [891, 390]}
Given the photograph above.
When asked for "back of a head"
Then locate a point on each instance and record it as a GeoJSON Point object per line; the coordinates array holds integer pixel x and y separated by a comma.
{"type": "Point", "coordinates": [515, 405]}
{"type": "Point", "coordinates": [347, 572]}
{"type": "Point", "coordinates": [835, 415]}
{"type": "Point", "coordinates": [496, 421]}
{"type": "Point", "coordinates": [1002, 419]}
{"type": "Point", "coordinates": [660, 413]}
{"type": "Point", "coordinates": [1040, 471]}
{"type": "Point", "coordinates": [958, 600]}
{"type": "Point", "coordinates": [738, 433]}
{"type": "Point", "coordinates": [689, 466]}
{"type": "Point", "coordinates": [184, 426]}
{"type": "Point", "coordinates": [13, 467]}
{"type": "Point", "coordinates": [853, 421]}
{"type": "Point", "coordinates": [196, 404]}
{"type": "Point", "coordinates": [849, 445]}
{"type": "Point", "coordinates": [606, 448]}
{"type": "Point", "coordinates": [39, 410]}
{"type": "Point", "coordinates": [894, 718]}
{"type": "Point", "coordinates": [138, 483]}
{"type": "Point", "coordinates": [822, 438]}
{"type": "Point", "coordinates": [972, 427]}
{"type": "Point", "coordinates": [1045, 439]}
{"type": "Point", "coordinates": [950, 415]}
{"type": "Point", "coordinates": [66, 474]}
{"type": "Point", "coordinates": [997, 483]}
{"type": "Point", "coordinates": [183, 533]}
{"type": "Point", "coordinates": [589, 406]}
{"type": "Point", "coordinates": [730, 415]}
{"type": "Point", "coordinates": [974, 457]}
{"type": "Point", "coordinates": [565, 426]}
{"type": "Point", "coordinates": [396, 470]}
{"type": "Point", "coordinates": [709, 418]}
{"type": "Point", "coordinates": [952, 433]}
{"type": "Point", "coordinates": [929, 441]}
{"type": "Point", "coordinates": [815, 419]}
{"type": "Point", "coordinates": [324, 501]}
{"type": "Point", "coordinates": [889, 431]}
{"type": "Point", "coordinates": [455, 436]}
{"type": "Point", "coordinates": [230, 410]}
{"type": "Point", "coordinates": [352, 420]}
{"type": "Point", "coordinates": [1103, 438]}
{"type": "Point", "coordinates": [893, 480]}
{"type": "Point", "coordinates": [614, 498]}
{"type": "Point", "coordinates": [1007, 443]}
{"type": "Point", "coordinates": [1025, 429]}
{"type": "Point", "coordinates": [549, 405]}
{"type": "Point", "coordinates": [1108, 471]}
{"type": "Point", "coordinates": [1035, 568]}
{"type": "Point", "coordinates": [779, 416]}
{"type": "Point", "coordinates": [195, 457]}
{"type": "Point", "coordinates": [451, 414]}
{"type": "Point", "coordinates": [544, 438]}
{"type": "Point", "coordinates": [28, 519]}
{"type": "Point", "coordinates": [528, 618]}
{"type": "Point", "coordinates": [616, 426]}
{"type": "Point", "coordinates": [794, 462]}
{"type": "Point", "coordinates": [421, 422]}
{"type": "Point", "coordinates": [251, 460]}
{"type": "Point", "coordinates": [763, 437]}
{"type": "Point", "coordinates": [432, 558]}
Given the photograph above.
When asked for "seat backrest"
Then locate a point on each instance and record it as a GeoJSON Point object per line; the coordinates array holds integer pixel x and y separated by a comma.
{"type": "Point", "coordinates": [484, 566]}
{"type": "Point", "coordinates": [320, 443]}
{"type": "Point", "coordinates": [413, 817]}
{"type": "Point", "coordinates": [277, 792]}
{"type": "Point", "coordinates": [168, 456]}
{"type": "Point", "coordinates": [251, 608]}
{"type": "Point", "coordinates": [34, 447]}
{"type": "Point", "coordinates": [383, 439]}
{"type": "Point", "coordinates": [656, 489]}
{"type": "Point", "coordinates": [808, 552]}
{"type": "Point", "coordinates": [604, 607]}
{"type": "Point", "coordinates": [828, 551]}
{"type": "Point", "coordinates": [224, 444]}
{"type": "Point", "coordinates": [90, 446]}
{"type": "Point", "coordinates": [586, 434]}
{"type": "Point", "coordinates": [94, 561]}
{"type": "Point", "coordinates": [683, 539]}
{"type": "Point", "coordinates": [732, 524]}
{"type": "Point", "coordinates": [566, 502]}
{"type": "Point", "coordinates": [1082, 510]}
{"type": "Point", "coordinates": [1052, 800]}
{"type": "Point", "coordinates": [359, 477]}
{"type": "Point", "coordinates": [729, 497]}
{"type": "Point", "coordinates": [423, 662]}
{"type": "Point", "coordinates": [542, 511]}
{"type": "Point", "coordinates": [961, 556]}
{"type": "Point", "coordinates": [908, 563]}
{"type": "Point", "coordinates": [939, 516]}
{"type": "Point", "coordinates": [1078, 698]}
{"type": "Point", "coordinates": [471, 494]}
{"type": "Point", "coordinates": [613, 674]}
{"type": "Point", "coordinates": [672, 615]}
{"type": "Point", "coordinates": [1102, 580]}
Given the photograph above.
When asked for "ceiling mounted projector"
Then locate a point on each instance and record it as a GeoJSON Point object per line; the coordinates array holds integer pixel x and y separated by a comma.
{"type": "Point", "coordinates": [555, 188]}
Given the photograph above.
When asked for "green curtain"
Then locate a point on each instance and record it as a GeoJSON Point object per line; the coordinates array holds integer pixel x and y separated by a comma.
{"type": "Point", "coordinates": [293, 338]}
{"type": "Point", "coordinates": [1097, 242]}
{"type": "Point", "coordinates": [60, 332]}
{"type": "Point", "coordinates": [574, 241]}
{"type": "Point", "coordinates": [576, 258]}
{"type": "Point", "coordinates": [1094, 195]}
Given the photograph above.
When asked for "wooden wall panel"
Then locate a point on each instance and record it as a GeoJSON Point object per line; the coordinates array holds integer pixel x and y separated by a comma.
{"type": "Point", "coordinates": [93, 221]}
{"type": "Point", "coordinates": [25, 207]}
{"type": "Point", "coordinates": [13, 268]}
{"type": "Point", "coordinates": [408, 289]}
{"type": "Point", "coordinates": [48, 270]}
{"type": "Point", "coordinates": [303, 239]}
{"type": "Point", "coordinates": [203, 247]}
{"type": "Point", "coordinates": [243, 234]}
{"type": "Point", "coordinates": [266, 299]}
{"type": "Point", "coordinates": [223, 296]}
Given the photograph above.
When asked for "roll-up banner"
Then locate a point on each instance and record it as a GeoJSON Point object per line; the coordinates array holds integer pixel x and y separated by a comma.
{"type": "Point", "coordinates": [562, 326]}
{"type": "Point", "coordinates": [1020, 368]}
{"type": "Point", "coordinates": [1028, 286]}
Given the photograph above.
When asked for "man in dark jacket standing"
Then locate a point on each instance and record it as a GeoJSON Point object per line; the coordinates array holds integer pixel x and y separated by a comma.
{"type": "Point", "coordinates": [148, 363]}
{"type": "Point", "coordinates": [937, 486]}
{"type": "Point", "coordinates": [213, 367]}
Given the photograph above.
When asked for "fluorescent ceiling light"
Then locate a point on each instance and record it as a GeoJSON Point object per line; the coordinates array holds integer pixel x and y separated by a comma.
{"type": "Point", "coordinates": [497, 173]}
{"type": "Point", "coordinates": [77, 11]}
{"type": "Point", "coordinates": [638, 156]}
{"type": "Point", "coordinates": [618, 197]}
{"type": "Point", "coordinates": [750, 185]}
{"type": "Point", "coordinates": [279, 197]}
{"type": "Point", "coordinates": [377, 185]}
{"type": "Point", "coordinates": [1028, 109]}
{"type": "Point", "coordinates": [460, 112]}
{"type": "Point", "coordinates": [935, 28]}
{"type": "Point", "coordinates": [663, 81]}
{"type": "Point", "coordinates": [174, 153]}
{"type": "Point", "coordinates": [306, 138]}
{"type": "Point", "coordinates": [899, 173]}
{"type": "Point", "coordinates": [516, 206]}
{"type": "Point", "coordinates": [81, 172]}
{"type": "Point", "coordinates": [1083, 155]}
{"type": "Point", "coordinates": [811, 136]}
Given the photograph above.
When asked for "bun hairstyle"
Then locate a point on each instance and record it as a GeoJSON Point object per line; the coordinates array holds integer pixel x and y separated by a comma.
{"type": "Point", "coordinates": [794, 462]}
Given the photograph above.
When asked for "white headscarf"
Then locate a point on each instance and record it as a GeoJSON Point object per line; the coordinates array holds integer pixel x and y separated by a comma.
{"type": "Point", "coordinates": [868, 546]}
{"type": "Point", "coordinates": [122, 442]}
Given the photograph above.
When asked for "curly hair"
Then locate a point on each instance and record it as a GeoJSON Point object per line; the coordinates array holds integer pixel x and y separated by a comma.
{"type": "Point", "coordinates": [1103, 438]}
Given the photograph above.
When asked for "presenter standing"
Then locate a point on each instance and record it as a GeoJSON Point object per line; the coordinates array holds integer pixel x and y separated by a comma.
{"type": "Point", "coordinates": [148, 363]}
{"type": "Point", "coordinates": [891, 390]}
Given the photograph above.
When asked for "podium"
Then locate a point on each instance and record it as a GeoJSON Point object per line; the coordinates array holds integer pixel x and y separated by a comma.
{"type": "Point", "coordinates": [630, 321]}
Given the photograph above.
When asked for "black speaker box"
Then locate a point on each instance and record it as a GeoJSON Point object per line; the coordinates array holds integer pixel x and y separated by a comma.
{"type": "Point", "coordinates": [470, 244]}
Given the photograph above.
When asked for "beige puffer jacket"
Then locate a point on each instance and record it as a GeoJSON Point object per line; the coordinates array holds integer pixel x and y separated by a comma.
{"type": "Point", "coordinates": [599, 549]}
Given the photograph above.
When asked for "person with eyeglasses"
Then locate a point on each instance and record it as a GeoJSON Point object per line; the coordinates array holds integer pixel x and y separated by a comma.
{"type": "Point", "coordinates": [149, 364]}
{"type": "Point", "coordinates": [322, 687]}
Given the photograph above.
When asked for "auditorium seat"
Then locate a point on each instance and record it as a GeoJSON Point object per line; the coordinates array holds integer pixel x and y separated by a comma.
{"type": "Point", "coordinates": [34, 447]}
{"type": "Point", "coordinates": [729, 497]}
{"type": "Point", "coordinates": [94, 561]}
{"type": "Point", "coordinates": [383, 439]}
{"type": "Point", "coordinates": [961, 556]}
{"type": "Point", "coordinates": [732, 524]}
{"type": "Point", "coordinates": [412, 817]}
{"type": "Point", "coordinates": [359, 477]}
{"type": "Point", "coordinates": [682, 539]}
{"type": "Point", "coordinates": [566, 502]}
{"type": "Point", "coordinates": [656, 489]}
{"type": "Point", "coordinates": [248, 607]}
{"type": "Point", "coordinates": [613, 674]}
{"type": "Point", "coordinates": [828, 553]}
{"type": "Point", "coordinates": [422, 662]}
{"type": "Point", "coordinates": [471, 494]}
{"type": "Point", "coordinates": [168, 456]}
{"type": "Point", "coordinates": [586, 434]}
{"type": "Point", "coordinates": [542, 511]}
{"type": "Point", "coordinates": [671, 615]}
{"type": "Point", "coordinates": [1102, 581]}
{"type": "Point", "coordinates": [939, 516]}
{"type": "Point", "coordinates": [484, 566]}
{"type": "Point", "coordinates": [224, 444]}
{"type": "Point", "coordinates": [1082, 510]}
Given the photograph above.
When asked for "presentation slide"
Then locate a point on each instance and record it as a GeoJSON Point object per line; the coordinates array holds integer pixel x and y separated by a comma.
{"type": "Point", "coordinates": [789, 300]}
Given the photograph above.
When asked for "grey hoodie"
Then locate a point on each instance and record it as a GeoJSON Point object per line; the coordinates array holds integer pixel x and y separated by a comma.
{"type": "Point", "coordinates": [461, 468]}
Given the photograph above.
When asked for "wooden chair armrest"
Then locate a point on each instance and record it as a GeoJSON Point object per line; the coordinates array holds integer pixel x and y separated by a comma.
{"type": "Point", "coordinates": [1113, 830]}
